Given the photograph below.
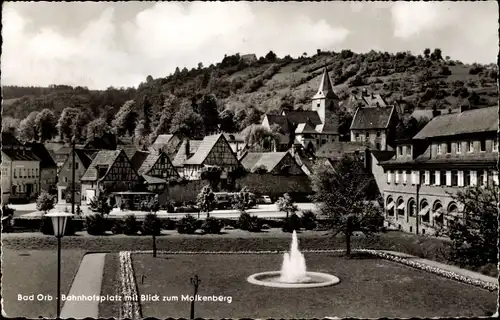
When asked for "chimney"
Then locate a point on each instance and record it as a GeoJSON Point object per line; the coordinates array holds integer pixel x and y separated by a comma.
{"type": "Point", "coordinates": [187, 148]}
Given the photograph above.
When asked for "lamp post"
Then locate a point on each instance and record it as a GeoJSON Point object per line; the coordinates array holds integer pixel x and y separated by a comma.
{"type": "Point", "coordinates": [59, 220]}
{"type": "Point", "coordinates": [73, 142]}
{"type": "Point", "coordinates": [195, 281]}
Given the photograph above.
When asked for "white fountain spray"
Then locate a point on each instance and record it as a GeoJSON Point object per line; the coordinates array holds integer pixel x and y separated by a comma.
{"type": "Point", "coordinates": [293, 269]}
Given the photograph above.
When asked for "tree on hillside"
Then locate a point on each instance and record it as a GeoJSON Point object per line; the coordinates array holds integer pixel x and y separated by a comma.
{"type": "Point", "coordinates": [206, 200]}
{"type": "Point", "coordinates": [108, 114]}
{"type": "Point", "coordinates": [408, 126]}
{"type": "Point", "coordinates": [206, 107]}
{"type": "Point", "coordinates": [10, 125]}
{"type": "Point", "coordinates": [427, 52]}
{"type": "Point", "coordinates": [340, 195]}
{"type": "Point", "coordinates": [83, 118]}
{"type": "Point", "coordinates": [437, 54]}
{"type": "Point", "coordinates": [258, 136]}
{"type": "Point", "coordinates": [226, 121]}
{"type": "Point", "coordinates": [270, 56]}
{"type": "Point", "coordinates": [97, 128]}
{"type": "Point", "coordinates": [125, 119]}
{"type": "Point", "coordinates": [147, 108]}
{"type": "Point", "coordinates": [247, 116]}
{"type": "Point", "coordinates": [473, 226]}
{"type": "Point", "coordinates": [27, 128]}
{"type": "Point", "coordinates": [200, 65]}
{"type": "Point", "coordinates": [186, 123]}
{"type": "Point", "coordinates": [67, 123]}
{"type": "Point", "coordinates": [45, 125]}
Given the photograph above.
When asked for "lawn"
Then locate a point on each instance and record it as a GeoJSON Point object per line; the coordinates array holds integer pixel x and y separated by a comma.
{"type": "Point", "coordinates": [110, 286]}
{"type": "Point", "coordinates": [33, 272]}
{"type": "Point", "coordinates": [369, 287]}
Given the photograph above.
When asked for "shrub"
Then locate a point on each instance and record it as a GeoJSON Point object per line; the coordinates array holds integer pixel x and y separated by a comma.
{"type": "Point", "coordinates": [211, 225]}
{"type": "Point", "coordinates": [291, 223]}
{"type": "Point", "coordinates": [308, 220]}
{"type": "Point", "coordinates": [95, 224]}
{"type": "Point", "coordinates": [249, 223]}
{"type": "Point", "coordinates": [151, 225]}
{"type": "Point", "coordinates": [118, 227]}
{"type": "Point", "coordinates": [168, 224]}
{"type": "Point", "coordinates": [130, 225]}
{"type": "Point", "coordinates": [187, 225]}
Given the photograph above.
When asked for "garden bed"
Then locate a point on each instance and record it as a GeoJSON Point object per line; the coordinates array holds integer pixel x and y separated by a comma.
{"type": "Point", "coordinates": [370, 287]}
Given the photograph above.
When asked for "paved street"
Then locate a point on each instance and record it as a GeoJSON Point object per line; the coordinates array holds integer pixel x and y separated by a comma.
{"type": "Point", "coordinates": [262, 211]}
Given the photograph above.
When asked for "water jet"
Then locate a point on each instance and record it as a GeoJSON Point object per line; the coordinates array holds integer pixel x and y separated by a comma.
{"type": "Point", "coordinates": [293, 272]}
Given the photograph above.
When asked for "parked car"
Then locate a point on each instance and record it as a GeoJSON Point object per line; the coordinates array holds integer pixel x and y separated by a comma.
{"type": "Point", "coordinates": [266, 200]}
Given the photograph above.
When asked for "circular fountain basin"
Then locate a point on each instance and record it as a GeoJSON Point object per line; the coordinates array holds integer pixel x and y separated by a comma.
{"type": "Point", "coordinates": [312, 280]}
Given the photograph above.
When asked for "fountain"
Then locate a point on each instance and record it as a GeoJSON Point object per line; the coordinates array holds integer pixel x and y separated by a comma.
{"type": "Point", "coordinates": [293, 272]}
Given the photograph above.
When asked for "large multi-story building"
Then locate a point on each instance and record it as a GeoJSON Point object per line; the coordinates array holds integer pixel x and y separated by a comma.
{"type": "Point", "coordinates": [451, 152]}
{"type": "Point", "coordinates": [48, 167]}
{"type": "Point", "coordinates": [20, 170]}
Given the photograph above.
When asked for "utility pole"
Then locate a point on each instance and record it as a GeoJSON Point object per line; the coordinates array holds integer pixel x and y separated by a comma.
{"type": "Point", "coordinates": [73, 141]}
{"type": "Point", "coordinates": [195, 281]}
{"type": "Point", "coordinates": [418, 207]}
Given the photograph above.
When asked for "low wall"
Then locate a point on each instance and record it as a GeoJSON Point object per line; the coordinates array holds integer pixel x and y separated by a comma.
{"type": "Point", "coordinates": [263, 184]}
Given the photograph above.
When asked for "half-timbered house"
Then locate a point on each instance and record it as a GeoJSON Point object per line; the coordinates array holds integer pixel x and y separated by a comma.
{"type": "Point", "coordinates": [83, 159]}
{"type": "Point", "coordinates": [156, 170]}
{"type": "Point", "coordinates": [112, 171]}
{"type": "Point", "coordinates": [213, 151]}
{"type": "Point", "coordinates": [277, 163]}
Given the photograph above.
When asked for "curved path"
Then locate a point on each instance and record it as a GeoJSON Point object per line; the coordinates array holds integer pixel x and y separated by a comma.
{"type": "Point", "coordinates": [87, 282]}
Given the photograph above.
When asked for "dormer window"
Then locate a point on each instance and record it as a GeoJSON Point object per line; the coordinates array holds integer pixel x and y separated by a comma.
{"type": "Point", "coordinates": [482, 146]}
{"type": "Point", "coordinates": [408, 150]}
{"type": "Point", "coordinates": [439, 148]}
{"type": "Point", "coordinates": [459, 147]}
{"type": "Point", "coordinates": [448, 147]}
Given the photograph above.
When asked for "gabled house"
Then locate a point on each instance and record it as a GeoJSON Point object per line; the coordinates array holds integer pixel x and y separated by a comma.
{"type": "Point", "coordinates": [156, 170]}
{"type": "Point", "coordinates": [212, 151]}
{"type": "Point", "coordinates": [48, 167]}
{"type": "Point", "coordinates": [168, 143]}
{"type": "Point", "coordinates": [277, 163]}
{"type": "Point", "coordinates": [235, 140]}
{"type": "Point", "coordinates": [112, 171]}
{"type": "Point", "coordinates": [83, 159]}
{"type": "Point", "coordinates": [375, 125]}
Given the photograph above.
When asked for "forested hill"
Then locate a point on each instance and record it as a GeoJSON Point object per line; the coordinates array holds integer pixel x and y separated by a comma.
{"type": "Point", "coordinates": [241, 88]}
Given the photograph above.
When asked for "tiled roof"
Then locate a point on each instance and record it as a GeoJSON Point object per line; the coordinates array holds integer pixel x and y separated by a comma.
{"type": "Point", "coordinates": [153, 180]}
{"type": "Point", "coordinates": [129, 149]}
{"type": "Point", "coordinates": [162, 140]}
{"type": "Point", "coordinates": [374, 100]}
{"type": "Point", "coordinates": [306, 127]}
{"type": "Point", "coordinates": [371, 118]}
{"type": "Point", "coordinates": [181, 156]}
{"type": "Point", "coordinates": [338, 148]}
{"type": "Point", "coordinates": [204, 149]}
{"type": "Point", "coordinates": [471, 121]}
{"type": "Point", "coordinates": [327, 128]}
{"type": "Point", "coordinates": [20, 155]}
{"type": "Point", "coordinates": [138, 159]}
{"type": "Point", "coordinates": [302, 117]}
{"type": "Point", "coordinates": [325, 89]}
{"type": "Point", "coordinates": [383, 155]}
{"type": "Point", "coordinates": [269, 160]}
{"type": "Point", "coordinates": [53, 146]}
{"type": "Point", "coordinates": [103, 158]}
{"type": "Point", "coordinates": [85, 156]}
{"type": "Point", "coordinates": [230, 137]}
{"type": "Point", "coordinates": [148, 163]}
{"type": "Point", "coordinates": [280, 120]}
{"type": "Point", "coordinates": [41, 152]}
{"type": "Point", "coordinates": [9, 140]}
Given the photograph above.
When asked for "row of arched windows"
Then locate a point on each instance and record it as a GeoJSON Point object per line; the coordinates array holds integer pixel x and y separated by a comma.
{"type": "Point", "coordinates": [426, 212]}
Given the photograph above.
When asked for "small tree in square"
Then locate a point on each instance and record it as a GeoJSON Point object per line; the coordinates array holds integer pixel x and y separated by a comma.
{"type": "Point", "coordinates": [101, 204]}
{"type": "Point", "coordinates": [45, 202]}
{"type": "Point", "coordinates": [242, 200]}
{"type": "Point", "coordinates": [206, 200]}
{"type": "Point", "coordinates": [286, 204]}
{"type": "Point", "coordinates": [341, 196]}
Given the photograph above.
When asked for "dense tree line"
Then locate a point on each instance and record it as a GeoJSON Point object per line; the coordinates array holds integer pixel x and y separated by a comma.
{"type": "Point", "coordinates": [199, 101]}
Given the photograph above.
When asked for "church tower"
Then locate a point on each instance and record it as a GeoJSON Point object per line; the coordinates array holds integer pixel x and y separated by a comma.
{"type": "Point", "coordinates": [326, 103]}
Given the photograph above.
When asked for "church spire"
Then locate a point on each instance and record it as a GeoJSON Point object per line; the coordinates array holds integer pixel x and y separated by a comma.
{"type": "Point", "coordinates": [325, 89]}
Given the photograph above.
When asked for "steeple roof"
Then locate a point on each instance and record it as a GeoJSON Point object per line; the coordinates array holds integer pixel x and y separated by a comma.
{"type": "Point", "coordinates": [325, 89]}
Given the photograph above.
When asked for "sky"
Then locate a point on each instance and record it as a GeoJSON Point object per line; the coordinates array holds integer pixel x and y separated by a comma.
{"type": "Point", "coordinates": [105, 44]}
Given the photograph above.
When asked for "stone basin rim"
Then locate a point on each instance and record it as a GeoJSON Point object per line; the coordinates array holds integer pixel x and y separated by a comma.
{"type": "Point", "coordinates": [329, 280]}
